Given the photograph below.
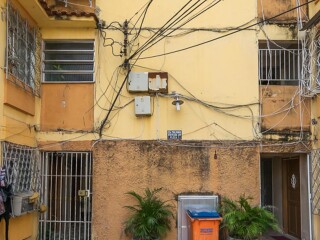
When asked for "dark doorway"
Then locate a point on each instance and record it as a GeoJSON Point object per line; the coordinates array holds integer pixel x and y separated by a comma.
{"type": "Point", "coordinates": [266, 181]}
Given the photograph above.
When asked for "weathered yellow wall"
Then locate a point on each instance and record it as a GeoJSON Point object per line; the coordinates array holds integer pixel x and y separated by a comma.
{"type": "Point", "coordinates": [316, 227]}
{"type": "Point", "coordinates": [314, 8]}
{"type": "Point", "coordinates": [17, 125]}
{"type": "Point", "coordinates": [216, 63]}
{"type": "Point", "coordinates": [223, 72]}
{"type": "Point", "coordinates": [67, 106]}
{"type": "Point", "coordinates": [122, 166]}
{"type": "Point", "coordinates": [284, 110]}
{"type": "Point", "coordinates": [270, 8]}
{"type": "Point", "coordinates": [21, 228]}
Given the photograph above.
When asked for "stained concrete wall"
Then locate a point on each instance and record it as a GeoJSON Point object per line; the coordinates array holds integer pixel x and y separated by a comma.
{"type": "Point", "coordinates": [316, 226]}
{"type": "Point", "coordinates": [284, 110]}
{"type": "Point", "coordinates": [270, 8]}
{"type": "Point", "coordinates": [124, 166]}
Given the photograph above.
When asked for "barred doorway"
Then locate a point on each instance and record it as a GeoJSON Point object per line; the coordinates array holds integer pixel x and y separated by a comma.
{"type": "Point", "coordinates": [66, 179]}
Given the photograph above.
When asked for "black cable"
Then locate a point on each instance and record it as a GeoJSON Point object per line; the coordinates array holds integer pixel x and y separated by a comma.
{"type": "Point", "coordinates": [206, 9]}
{"type": "Point", "coordinates": [217, 38]}
{"type": "Point", "coordinates": [178, 19]}
{"type": "Point", "coordinates": [160, 29]}
{"type": "Point", "coordinates": [185, 14]}
{"type": "Point", "coordinates": [112, 105]}
{"type": "Point", "coordinates": [144, 13]}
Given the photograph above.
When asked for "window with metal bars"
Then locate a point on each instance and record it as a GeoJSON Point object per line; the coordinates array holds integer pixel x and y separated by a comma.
{"type": "Point", "coordinates": [22, 49]}
{"type": "Point", "coordinates": [280, 63]}
{"type": "Point", "coordinates": [21, 165]}
{"type": "Point", "coordinates": [68, 61]}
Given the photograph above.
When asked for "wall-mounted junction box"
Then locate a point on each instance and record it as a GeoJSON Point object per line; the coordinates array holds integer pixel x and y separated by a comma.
{"type": "Point", "coordinates": [142, 106]}
{"type": "Point", "coordinates": [158, 82]}
{"type": "Point", "coordinates": [152, 82]}
{"type": "Point", "coordinates": [138, 82]}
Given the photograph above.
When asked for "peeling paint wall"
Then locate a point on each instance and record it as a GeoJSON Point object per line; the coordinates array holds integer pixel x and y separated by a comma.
{"type": "Point", "coordinates": [271, 8]}
{"type": "Point", "coordinates": [284, 110]}
{"type": "Point", "coordinates": [67, 106]}
{"type": "Point", "coordinates": [122, 166]}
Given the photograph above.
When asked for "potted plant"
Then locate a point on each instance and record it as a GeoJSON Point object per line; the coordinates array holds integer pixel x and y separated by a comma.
{"type": "Point", "coordinates": [244, 221]}
{"type": "Point", "coordinates": [150, 218]}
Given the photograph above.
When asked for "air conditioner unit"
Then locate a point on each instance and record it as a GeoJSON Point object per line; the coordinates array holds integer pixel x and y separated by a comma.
{"type": "Point", "coordinates": [21, 203]}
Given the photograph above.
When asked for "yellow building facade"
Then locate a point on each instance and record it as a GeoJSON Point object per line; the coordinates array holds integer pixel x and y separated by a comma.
{"type": "Point", "coordinates": [199, 98]}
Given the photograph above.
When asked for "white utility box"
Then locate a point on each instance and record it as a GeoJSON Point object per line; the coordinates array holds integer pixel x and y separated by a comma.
{"type": "Point", "coordinates": [21, 204]}
{"type": "Point", "coordinates": [142, 106]}
{"type": "Point", "coordinates": [138, 82]}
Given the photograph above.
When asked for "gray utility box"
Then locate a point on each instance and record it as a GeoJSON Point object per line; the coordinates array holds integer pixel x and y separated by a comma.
{"type": "Point", "coordinates": [138, 82]}
{"type": "Point", "coordinates": [186, 202]}
{"type": "Point", "coordinates": [142, 106]}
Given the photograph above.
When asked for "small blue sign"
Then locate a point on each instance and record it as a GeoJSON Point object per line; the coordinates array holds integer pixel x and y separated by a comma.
{"type": "Point", "coordinates": [174, 134]}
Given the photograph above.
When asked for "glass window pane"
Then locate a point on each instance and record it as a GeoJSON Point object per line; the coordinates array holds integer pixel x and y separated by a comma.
{"type": "Point", "coordinates": [69, 46]}
{"type": "Point", "coordinates": [69, 77]}
{"type": "Point", "coordinates": [68, 56]}
{"type": "Point", "coordinates": [69, 67]}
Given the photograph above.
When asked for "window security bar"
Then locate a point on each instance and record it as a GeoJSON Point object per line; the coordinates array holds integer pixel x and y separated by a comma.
{"type": "Point", "coordinates": [280, 65]}
{"type": "Point", "coordinates": [22, 171]}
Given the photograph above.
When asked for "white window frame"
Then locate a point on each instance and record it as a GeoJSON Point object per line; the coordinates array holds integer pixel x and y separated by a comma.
{"type": "Point", "coordinates": [66, 62]}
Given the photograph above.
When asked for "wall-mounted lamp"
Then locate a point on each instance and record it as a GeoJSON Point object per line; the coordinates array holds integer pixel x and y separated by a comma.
{"type": "Point", "coordinates": [177, 101]}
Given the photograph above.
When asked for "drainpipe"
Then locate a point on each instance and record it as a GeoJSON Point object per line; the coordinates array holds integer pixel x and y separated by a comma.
{"type": "Point", "coordinates": [310, 198]}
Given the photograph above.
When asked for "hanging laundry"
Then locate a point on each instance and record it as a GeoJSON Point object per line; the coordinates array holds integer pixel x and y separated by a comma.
{"type": "Point", "coordinates": [3, 176]}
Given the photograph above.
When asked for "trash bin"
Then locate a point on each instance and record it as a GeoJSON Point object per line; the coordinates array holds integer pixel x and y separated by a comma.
{"type": "Point", "coordinates": [203, 224]}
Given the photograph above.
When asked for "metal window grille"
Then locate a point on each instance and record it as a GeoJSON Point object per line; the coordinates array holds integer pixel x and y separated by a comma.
{"type": "Point", "coordinates": [66, 179]}
{"type": "Point", "coordinates": [280, 66]}
{"type": "Point", "coordinates": [315, 177]}
{"type": "Point", "coordinates": [23, 50]}
{"type": "Point", "coordinates": [68, 61]}
{"type": "Point", "coordinates": [21, 164]}
{"type": "Point", "coordinates": [311, 62]}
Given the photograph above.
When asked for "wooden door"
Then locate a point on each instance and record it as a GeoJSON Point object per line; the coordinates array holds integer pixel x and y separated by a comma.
{"type": "Point", "coordinates": [292, 208]}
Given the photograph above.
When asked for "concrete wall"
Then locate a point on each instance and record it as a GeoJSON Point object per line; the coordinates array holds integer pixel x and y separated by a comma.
{"type": "Point", "coordinates": [67, 106]}
{"type": "Point", "coordinates": [284, 110]}
{"type": "Point", "coordinates": [316, 226]}
{"type": "Point", "coordinates": [125, 166]}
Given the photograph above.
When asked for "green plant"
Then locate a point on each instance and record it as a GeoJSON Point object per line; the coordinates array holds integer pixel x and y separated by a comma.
{"type": "Point", "coordinates": [244, 221]}
{"type": "Point", "coordinates": [150, 218]}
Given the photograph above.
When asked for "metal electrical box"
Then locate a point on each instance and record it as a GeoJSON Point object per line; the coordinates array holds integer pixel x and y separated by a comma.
{"type": "Point", "coordinates": [138, 82]}
{"type": "Point", "coordinates": [142, 106]}
{"type": "Point", "coordinates": [158, 82]}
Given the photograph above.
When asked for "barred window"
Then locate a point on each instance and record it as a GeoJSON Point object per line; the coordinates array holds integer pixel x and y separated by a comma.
{"type": "Point", "coordinates": [68, 61]}
{"type": "Point", "coordinates": [21, 164]}
{"type": "Point", "coordinates": [22, 49]}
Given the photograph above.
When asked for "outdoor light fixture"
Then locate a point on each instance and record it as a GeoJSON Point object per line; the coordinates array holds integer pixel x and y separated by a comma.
{"type": "Point", "coordinates": [176, 101]}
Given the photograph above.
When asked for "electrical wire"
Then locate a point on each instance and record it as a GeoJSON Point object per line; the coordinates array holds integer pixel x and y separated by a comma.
{"type": "Point", "coordinates": [226, 35]}
{"type": "Point", "coordinates": [190, 19]}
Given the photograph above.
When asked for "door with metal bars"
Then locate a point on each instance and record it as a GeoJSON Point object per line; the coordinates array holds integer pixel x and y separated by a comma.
{"type": "Point", "coordinates": [66, 179]}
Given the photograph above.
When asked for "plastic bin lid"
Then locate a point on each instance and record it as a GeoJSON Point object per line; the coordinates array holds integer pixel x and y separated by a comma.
{"type": "Point", "coordinates": [203, 213]}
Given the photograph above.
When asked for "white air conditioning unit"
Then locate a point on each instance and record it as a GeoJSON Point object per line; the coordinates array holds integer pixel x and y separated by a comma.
{"type": "Point", "coordinates": [21, 203]}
